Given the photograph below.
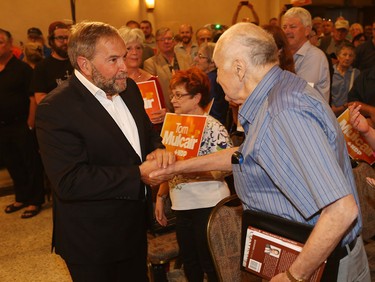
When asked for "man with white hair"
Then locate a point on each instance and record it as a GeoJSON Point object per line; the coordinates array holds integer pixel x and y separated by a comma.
{"type": "Point", "coordinates": [311, 63]}
{"type": "Point", "coordinates": [293, 162]}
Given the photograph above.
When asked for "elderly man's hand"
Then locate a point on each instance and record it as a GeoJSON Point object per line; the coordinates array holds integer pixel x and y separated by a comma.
{"type": "Point", "coordinates": [147, 167]}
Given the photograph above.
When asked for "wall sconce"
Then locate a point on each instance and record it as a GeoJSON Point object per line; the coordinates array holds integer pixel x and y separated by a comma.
{"type": "Point", "coordinates": [150, 4]}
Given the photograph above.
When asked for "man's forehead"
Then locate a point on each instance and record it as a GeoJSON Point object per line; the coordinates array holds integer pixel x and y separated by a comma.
{"type": "Point", "coordinates": [61, 31]}
{"type": "Point", "coordinates": [110, 44]}
{"type": "Point", "coordinates": [295, 20]}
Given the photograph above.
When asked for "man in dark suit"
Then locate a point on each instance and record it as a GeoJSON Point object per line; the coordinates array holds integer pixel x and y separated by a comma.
{"type": "Point", "coordinates": [98, 147]}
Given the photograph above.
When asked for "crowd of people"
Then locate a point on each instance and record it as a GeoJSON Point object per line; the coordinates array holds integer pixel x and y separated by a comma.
{"type": "Point", "coordinates": [75, 104]}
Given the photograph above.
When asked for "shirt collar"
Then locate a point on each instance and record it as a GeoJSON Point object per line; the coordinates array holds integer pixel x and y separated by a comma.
{"type": "Point", "coordinates": [304, 49]}
{"type": "Point", "coordinates": [252, 104]}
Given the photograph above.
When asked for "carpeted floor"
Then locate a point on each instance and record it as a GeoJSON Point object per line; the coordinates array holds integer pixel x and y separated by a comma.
{"type": "Point", "coordinates": [25, 247]}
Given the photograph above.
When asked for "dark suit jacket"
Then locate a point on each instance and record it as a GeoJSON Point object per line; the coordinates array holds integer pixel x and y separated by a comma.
{"type": "Point", "coordinates": [99, 213]}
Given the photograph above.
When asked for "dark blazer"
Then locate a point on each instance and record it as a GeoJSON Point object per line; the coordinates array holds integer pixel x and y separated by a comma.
{"type": "Point", "coordinates": [99, 202]}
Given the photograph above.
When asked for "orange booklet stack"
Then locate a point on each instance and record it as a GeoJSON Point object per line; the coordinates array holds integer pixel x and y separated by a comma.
{"type": "Point", "coordinates": [267, 254]}
{"type": "Point", "coordinates": [182, 134]}
{"type": "Point", "coordinates": [150, 96]}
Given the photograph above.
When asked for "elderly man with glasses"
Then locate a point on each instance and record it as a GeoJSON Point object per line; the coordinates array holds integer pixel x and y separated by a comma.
{"type": "Point", "coordinates": [166, 62]}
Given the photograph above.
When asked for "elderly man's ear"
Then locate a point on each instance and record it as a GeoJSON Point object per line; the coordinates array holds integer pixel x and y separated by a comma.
{"type": "Point", "coordinates": [239, 69]}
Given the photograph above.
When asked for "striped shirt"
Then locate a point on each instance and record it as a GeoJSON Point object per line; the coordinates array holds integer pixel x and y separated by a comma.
{"type": "Point", "coordinates": [295, 157]}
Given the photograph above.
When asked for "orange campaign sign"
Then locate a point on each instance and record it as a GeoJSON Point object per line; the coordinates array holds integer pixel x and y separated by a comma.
{"type": "Point", "coordinates": [150, 96]}
{"type": "Point", "coordinates": [182, 134]}
{"type": "Point", "coordinates": [358, 148]}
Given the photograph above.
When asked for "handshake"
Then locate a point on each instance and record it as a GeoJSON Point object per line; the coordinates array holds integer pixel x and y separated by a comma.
{"type": "Point", "coordinates": [160, 161]}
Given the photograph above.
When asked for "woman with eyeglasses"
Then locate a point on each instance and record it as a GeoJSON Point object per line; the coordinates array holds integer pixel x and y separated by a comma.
{"type": "Point", "coordinates": [203, 60]}
{"type": "Point", "coordinates": [134, 39]}
{"type": "Point", "coordinates": [193, 196]}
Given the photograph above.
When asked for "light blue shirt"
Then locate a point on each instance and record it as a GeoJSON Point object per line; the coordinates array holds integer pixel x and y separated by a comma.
{"type": "Point", "coordinates": [341, 85]}
{"type": "Point", "coordinates": [312, 65]}
{"type": "Point", "coordinates": [295, 157]}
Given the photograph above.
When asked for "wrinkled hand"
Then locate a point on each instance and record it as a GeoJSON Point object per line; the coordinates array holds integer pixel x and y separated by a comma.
{"type": "Point", "coordinates": [146, 168]}
{"type": "Point", "coordinates": [164, 172]}
{"type": "Point", "coordinates": [357, 120]}
{"type": "Point", "coordinates": [163, 158]}
{"type": "Point", "coordinates": [158, 116]}
{"type": "Point", "coordinates": [159, 212]}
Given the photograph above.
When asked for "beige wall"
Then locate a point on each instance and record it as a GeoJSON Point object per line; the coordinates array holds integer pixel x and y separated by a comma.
{"type": "Point", "coordinates": [18, 15]}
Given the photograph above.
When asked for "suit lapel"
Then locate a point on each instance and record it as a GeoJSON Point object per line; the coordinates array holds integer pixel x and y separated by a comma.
{"type": "Point", "coordinates": [101, 117]}
{"type": "Point", "coordinates": [164, 66]}
{"type": "Point", "coordinates": [136, 110]}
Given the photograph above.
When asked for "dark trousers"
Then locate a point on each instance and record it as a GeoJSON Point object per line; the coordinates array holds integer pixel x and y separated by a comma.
{"type": "Point", "coordinates": [191, 226]}
{"type": "Point", "coordinates": [18, 150]}
{"type": "Point", "coordinates": [127, 270]}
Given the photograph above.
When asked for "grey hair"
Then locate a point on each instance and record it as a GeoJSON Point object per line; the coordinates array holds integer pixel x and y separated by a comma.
{"type": "Point", "coordinates": [130, 35]}
{"type": "Point", "coordinates": [161, 31]}
{"type": "Point", "coordinates": [84, 37]}
{"type": "Point", "coordinates": [249, 42]}
{"type": "Point", "coordinates": [208, 50]}
{"type": "Point", "coordinates": [301, 13]}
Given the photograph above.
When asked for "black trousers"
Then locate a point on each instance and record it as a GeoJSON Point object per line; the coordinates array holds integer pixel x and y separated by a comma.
{"type": "Point", "coordinates": [19, 153]}
{"type": "Point", "coordinates": [128, 270]}
{"type": "Point", "coordinates": [191, 226]}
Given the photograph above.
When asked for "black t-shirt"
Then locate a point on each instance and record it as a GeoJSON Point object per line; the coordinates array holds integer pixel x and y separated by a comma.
{"type": "Point", "coordinates": [49, 73]}
{"type": "Point", "coordinates": [15, 91]}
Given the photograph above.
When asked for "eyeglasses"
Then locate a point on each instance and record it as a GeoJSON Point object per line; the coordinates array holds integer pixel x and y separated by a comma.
{"type": "Point", "coordinates": [166, 39]}
{"type": "Point", "coordinates": [200, 56]}
{"type": "Point", "coordinates": [61, 38]}
{"type": "Point", "coordinates": [178, 95]}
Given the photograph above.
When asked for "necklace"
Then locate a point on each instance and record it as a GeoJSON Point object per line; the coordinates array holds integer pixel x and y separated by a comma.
{"type": "Point", "coordinates": [136, 75]}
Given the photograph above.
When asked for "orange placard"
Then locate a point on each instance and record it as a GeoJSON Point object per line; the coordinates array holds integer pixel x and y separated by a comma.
{"type": "Point", "coordinates": [358, 148]}
{"type": "Point", "coordinates": [150, 96]}
{"type": "Point", "coordinates": [182, 134]}
{"type": "Point", "coordinates": [300, 2]}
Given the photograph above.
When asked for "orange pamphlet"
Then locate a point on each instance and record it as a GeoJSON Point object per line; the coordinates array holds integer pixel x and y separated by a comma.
{"type": "Point", "coordinates": [182, 134]}
{"type": "Point", "coordinates": [267, 254]}
{"type": "Point", "coordinates": [150, 96]}
{"type": "Point", "coordinates": [358, 148]}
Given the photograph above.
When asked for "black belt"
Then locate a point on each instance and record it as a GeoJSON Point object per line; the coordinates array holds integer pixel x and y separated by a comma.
{"type": "Point", "coordinates": [333, 261]}
{"type": "Point", "coordinates": [343, 251]}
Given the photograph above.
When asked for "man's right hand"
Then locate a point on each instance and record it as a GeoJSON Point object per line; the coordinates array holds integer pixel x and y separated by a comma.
{"type": "Point", "coordinates": [149, 166]}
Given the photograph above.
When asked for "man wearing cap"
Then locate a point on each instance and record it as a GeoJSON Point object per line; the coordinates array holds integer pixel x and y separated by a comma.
{"type": "Point", "coordinates": [331, 44]}
{"type": "Point", "coordinates": [35, 35]}
{"type": "Point", "coordinates": [56, 68]}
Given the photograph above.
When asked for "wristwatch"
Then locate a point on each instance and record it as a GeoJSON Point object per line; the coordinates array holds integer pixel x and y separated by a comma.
{"type": "Point", "coordinates": [292, 278]}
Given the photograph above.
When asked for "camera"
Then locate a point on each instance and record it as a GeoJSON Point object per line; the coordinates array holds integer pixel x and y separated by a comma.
{"type": "Point", "coordinates": [244, 3]}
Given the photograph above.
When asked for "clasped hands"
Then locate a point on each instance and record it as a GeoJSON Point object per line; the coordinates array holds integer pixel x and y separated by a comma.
{"type": "Point", "coordinates": [157, 160]}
